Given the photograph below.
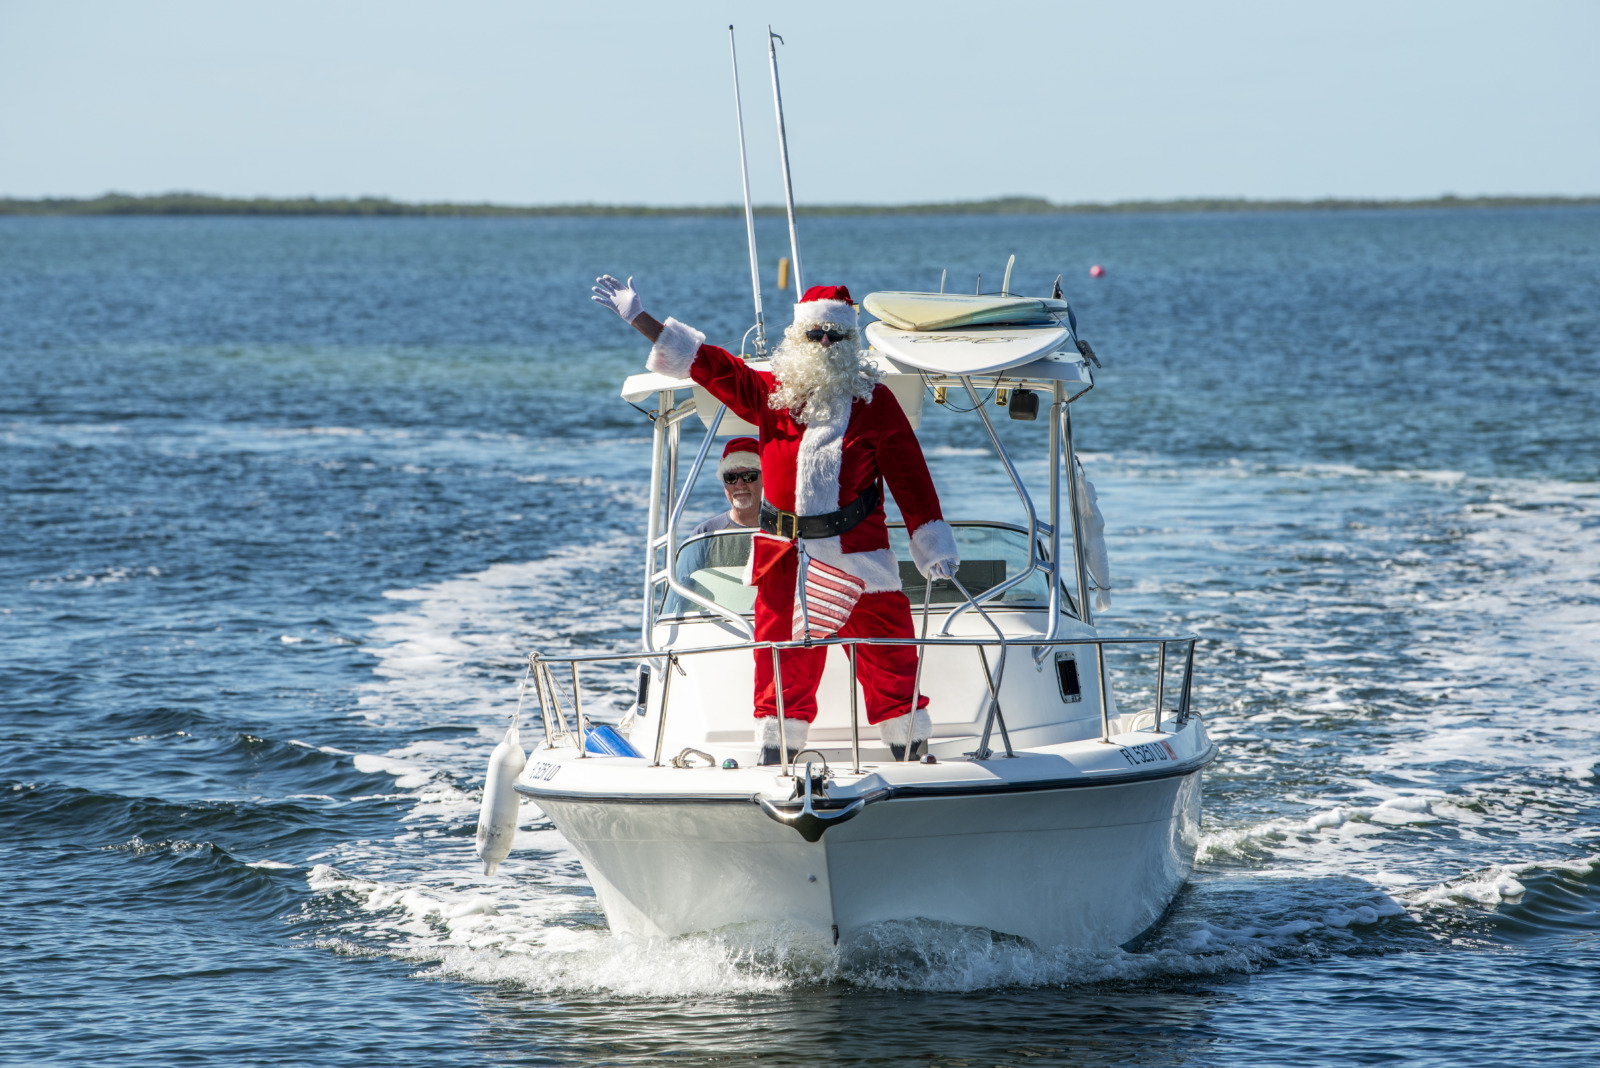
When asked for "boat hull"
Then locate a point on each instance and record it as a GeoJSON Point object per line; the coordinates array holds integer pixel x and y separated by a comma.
{"type": "Point", "coordinates": [1086, 866]}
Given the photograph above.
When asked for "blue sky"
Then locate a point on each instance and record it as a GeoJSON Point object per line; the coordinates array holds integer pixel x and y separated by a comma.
{"type": "Point", "coordinates": [887, 102]}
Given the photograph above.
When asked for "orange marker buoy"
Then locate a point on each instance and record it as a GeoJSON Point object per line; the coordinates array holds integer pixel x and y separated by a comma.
{"type": "Point", "coordinates": [1096, 271]}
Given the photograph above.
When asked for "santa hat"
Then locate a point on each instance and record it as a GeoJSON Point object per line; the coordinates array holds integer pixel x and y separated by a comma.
{"type": "Point", "coordinates": [740, 454]}
{"type": "Point", "coordinates": [825, 306]}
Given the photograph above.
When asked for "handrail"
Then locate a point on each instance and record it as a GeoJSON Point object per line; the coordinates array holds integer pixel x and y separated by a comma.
{"type": "Point", "coordinates": [658, 441]}
{"type": "Point", "coordinates": [541, 663]}
{"type": "Point", "coordinates": [994, 682]}
{"type": "Point", "coordinates": [988, 595]}
{"type": "Point", "coordinates": [1027, 505]}
{"type": "Point", "coordinates": [669, 538]}
{"type": "Point", "coordinates": [694, 471]}
{"type": "Point", "coordinates": [595, 658]}
{"type": "Point", "coordinates": [1057, 407]}
{"type": "Point", "coordinates": [1085, 609]}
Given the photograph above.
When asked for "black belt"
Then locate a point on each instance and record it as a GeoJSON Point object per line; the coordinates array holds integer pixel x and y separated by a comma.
{"type": "Point", "coordinates": [826, 525]}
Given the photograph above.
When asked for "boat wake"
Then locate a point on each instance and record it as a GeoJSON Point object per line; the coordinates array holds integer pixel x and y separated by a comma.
{"type": "Point", "coordinates": [1408, 755]}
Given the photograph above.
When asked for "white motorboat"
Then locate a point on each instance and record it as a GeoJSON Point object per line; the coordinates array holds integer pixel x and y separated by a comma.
{"type": "Point", "coordinates": [1043, 809]}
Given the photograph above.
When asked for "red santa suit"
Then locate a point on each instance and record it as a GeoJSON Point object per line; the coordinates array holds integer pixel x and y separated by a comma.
{"type": "Point", "coordinates": [815, 468]}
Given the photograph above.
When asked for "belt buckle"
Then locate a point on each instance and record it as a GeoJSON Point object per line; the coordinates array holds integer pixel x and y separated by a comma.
{"type": "Point", "coordinates": [790, 520]}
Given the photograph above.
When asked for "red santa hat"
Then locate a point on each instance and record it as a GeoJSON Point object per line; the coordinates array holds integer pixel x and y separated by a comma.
{"type": "Point", "coordinates": [825, 306]}
{"type": "Point", "coordinates": [740, 454]}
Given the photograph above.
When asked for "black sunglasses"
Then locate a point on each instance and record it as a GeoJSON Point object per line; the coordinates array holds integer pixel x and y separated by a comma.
{"type": "Point", "coordinates": [833, 336]}
{"type": "Point", "coordinates": [741, 476]}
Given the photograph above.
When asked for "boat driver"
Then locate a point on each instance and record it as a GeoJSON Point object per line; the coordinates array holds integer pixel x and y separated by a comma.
{"type": "Point", "coordinates": [831, 437]}
{"type": "Point", "coordinates": [740, 471]}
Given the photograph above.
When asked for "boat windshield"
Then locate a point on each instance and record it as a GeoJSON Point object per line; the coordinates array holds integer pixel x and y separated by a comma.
{"type": "Point", "coordinates": [712, 566]}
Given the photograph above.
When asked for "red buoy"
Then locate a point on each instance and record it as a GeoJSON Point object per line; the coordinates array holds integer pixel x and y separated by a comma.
{"type": "Point", "coordinates": [1096, 271]}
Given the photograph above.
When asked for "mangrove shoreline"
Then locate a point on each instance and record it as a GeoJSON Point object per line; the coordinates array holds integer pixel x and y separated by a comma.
{"type": "Point", "coordinates": [202, 204]}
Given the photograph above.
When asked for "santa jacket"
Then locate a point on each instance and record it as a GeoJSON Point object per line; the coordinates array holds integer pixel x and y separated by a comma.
{"type": "Point", "coordinates": [810, 469]}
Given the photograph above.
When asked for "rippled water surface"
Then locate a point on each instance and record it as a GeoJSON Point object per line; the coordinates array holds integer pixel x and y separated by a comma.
{"type": "Point", "coordinates": [285, 502]}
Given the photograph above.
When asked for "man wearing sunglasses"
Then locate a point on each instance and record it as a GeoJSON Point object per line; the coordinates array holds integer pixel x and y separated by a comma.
{"type": "Point", "coordinates": [740, 471]}
{"type": "Point", "coordinates": [832, 437]}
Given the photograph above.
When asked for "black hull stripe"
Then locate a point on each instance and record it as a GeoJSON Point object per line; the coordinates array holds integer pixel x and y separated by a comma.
{"type": "Point", "coordinates": [889, 793]}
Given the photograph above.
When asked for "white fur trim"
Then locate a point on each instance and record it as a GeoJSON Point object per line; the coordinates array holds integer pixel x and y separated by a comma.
{"type": "Point", "coordinates": [674, 350]}
{"type": "Point", "coordinates": [816, 492]}
{"type": "Point", "coordinates": [934, 543]}
{"type": "Point", "coordinates": [738, 461]}
{"type": "Point", "coordinates": [878, 568]}
{"type": "Point", "coordinates": [813, 313]}
{"type": "Point", "coordinates": [893, 731]}
{"type": "Point", "coordinates": [816, 467]}
{"type": "Point", "coordinates": [797, 732]}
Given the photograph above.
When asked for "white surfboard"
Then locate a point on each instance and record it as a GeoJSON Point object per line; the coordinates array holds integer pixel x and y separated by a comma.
{"type": "Point", "coordinates": [941, 311]}
{"type": "Point", "coordinates": [971, 350]}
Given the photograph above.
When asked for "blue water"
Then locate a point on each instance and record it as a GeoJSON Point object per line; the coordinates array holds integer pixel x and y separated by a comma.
{"type": "Point", "coordinates": [286, 501]}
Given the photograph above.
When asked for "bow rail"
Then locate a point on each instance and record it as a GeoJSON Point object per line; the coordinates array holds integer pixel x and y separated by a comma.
{"type": "Point", "coordinates": [555, 720]}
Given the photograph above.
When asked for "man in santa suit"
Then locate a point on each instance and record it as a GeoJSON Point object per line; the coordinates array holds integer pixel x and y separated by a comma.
{"type": "Point", "coordinates": [831, 435]}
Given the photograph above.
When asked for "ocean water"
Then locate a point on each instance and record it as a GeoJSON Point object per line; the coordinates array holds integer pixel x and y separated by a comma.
{"type": "Point", "coordinates": [285, 502]}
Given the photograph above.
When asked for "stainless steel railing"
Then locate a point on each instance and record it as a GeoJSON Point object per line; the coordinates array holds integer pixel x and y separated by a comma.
{"type": "Point", "coordinates": [555, 722]}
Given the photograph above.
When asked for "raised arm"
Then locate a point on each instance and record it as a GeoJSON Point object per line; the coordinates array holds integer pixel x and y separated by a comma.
{"type": "Point", "coordinates": [624, 300]}
{"type": "Point", "coordinates": [679, 350]}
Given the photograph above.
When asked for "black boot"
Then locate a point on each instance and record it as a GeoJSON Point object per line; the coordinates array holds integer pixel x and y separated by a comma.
{"type": "Point", "coordinates": [918, 747]}
{"type": "Point", "coordinates": [769, 755]}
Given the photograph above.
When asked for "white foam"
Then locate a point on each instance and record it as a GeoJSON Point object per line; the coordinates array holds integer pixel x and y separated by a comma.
{"type": "Point", "coordinates": [1491, 887]}
{"type": "Point", "coordinates": [1497, 629]}
{"type": "Point", "coordinates": [455, 652]}
{"type": "Point", "coordinates": [1334, 817]}
{"type": "Point", "coordinates": [1403, 810]}
{"type": "Point", "coordinates": [105, 576]}
{"type": "Point", "coordinates": [541, 936]}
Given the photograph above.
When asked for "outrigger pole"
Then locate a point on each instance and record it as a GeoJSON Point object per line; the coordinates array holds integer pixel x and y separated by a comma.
{"type": "Point", "coordinates": [749, 213]}
{"type": "Point", "coordinates": [783, 153]}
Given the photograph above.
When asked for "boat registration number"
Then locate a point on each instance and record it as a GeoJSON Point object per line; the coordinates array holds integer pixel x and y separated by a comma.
{"type": "Point", "coordinates": [543, 771]}
{"type": "Point", "coordinates": [1147, 753]}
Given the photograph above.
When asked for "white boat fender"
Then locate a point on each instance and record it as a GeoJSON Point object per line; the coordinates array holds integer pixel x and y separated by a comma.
{"type": "Point", "coordinates": [497, 818]}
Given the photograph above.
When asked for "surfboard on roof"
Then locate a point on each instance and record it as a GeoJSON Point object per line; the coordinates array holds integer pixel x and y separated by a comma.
{"type": "Point", "coordinates": [944, 311]}
{"type": "Point", "coordinates": [969, 350]}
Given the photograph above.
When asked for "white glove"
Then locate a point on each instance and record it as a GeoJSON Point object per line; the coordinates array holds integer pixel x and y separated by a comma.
{"type": "Point", "coordinates": [943, 569]}
{"type": "Point", "coordinates": [610, 293]}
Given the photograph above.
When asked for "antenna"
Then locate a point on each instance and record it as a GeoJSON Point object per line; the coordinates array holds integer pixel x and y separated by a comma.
{"type": "Point", "coordinates": [1005, 286]}
{"type": "Point", "coordinates": [783, 153]}
{"type": "Point", "coordinates": [749, 213]}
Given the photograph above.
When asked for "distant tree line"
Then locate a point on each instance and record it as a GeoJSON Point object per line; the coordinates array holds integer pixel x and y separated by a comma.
{"type": "Point", "coordinates": [201, 204]}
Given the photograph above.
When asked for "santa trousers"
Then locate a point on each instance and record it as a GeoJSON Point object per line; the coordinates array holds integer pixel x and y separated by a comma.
{"type": "Point", "coordinates": [887, 673]}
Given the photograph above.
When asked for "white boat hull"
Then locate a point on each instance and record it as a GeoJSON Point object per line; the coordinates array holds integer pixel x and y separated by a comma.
{"type": "Point", "coordinates": [1090, 868]}
{"type": "Point", "coordinates": [1085, 865]}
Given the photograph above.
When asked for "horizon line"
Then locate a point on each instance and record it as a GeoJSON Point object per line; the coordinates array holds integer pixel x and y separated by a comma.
{"type": "Point", "coordinates": [189, 203]}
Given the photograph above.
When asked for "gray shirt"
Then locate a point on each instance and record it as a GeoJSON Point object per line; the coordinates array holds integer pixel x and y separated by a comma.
{"type": "Point", "coordinates": [720, 521]}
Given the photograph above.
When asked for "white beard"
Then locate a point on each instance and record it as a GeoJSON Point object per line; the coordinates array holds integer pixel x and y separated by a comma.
{"type": "Point", "coordinates": [816, 385]}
